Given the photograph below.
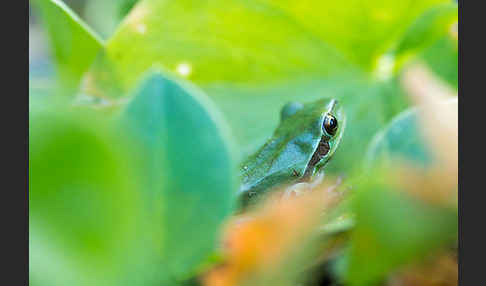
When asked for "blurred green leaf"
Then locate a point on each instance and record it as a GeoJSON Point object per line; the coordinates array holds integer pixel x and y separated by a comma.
{"type": "Point", "coordinates": [105, 16]}
{"type": "Point", "coordinates": [442, 58]}
{"type": "Point", "coordinates": [361, 30]}
{"type": "Point", "coordinates": [84, 211]}
{"type": "Point", "coordinates": [73, 44]}
{"type": "Point", "coordinates": [215, 41]}
{"type": "Point", "coordinates": [401, 138]}
{"type": "Point", "coordinates": [258, 41]}
{"type": "Point", "coordinates": [188, 166]}
{"type": "Point", "coordinates": [125, 6]}
{"type": "Point", "coordinates": [393, 229]}
{"type": "Point", "coordinates": [429, 27]}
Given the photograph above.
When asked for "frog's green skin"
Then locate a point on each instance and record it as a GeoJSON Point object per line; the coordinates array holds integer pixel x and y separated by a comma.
{"type": "Point", "coordinates": [298, 149]}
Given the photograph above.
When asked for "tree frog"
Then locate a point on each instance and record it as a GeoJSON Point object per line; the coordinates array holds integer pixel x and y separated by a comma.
{"type": "Point", "coordinates": [304, 141]}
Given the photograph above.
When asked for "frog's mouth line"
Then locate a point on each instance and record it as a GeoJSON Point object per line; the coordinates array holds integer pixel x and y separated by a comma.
{"type": "Point", "coordinates": [321, 151]}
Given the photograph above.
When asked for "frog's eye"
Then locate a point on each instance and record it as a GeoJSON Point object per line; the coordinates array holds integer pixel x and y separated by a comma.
{"type": "Point", "coordinates": [330, 124]}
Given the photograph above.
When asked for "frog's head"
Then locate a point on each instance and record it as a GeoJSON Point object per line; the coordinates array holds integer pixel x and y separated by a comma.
{"type": "Point", "coordinates": [333, 123]}
{"type": "Point", "coordinates": [304, 141]}
{"type": "Point", "coordinates": [317, 129]}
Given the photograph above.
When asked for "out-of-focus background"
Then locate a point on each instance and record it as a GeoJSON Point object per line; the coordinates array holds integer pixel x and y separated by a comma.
{"type": "Point", "coordinates": [102, 16]}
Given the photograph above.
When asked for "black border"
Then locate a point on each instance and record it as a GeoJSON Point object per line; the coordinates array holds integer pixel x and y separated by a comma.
{"type": "Point", "coordinates": [15, 136]}
{"type": "Point", "coordinates": [471, 194]}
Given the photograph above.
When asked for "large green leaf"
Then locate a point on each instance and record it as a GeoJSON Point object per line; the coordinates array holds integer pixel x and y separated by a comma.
{"type": "Point", "coordinates": [189, 169]}
{"type": "Point", "coordinates": [258, 40]}
{"type": "Point", "coordinates": [215, 41]}
{"type": "Point", "coordinates": [73, 44]}
{"type": "Point", "coordinates": [251, 57]}
{"type": "Point", "coordinates": [84, 210]}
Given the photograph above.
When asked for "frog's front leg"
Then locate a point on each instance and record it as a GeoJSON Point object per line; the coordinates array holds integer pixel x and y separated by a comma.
{"type": "Point", "coordinates": [300, 188]}
{"type": "Point", "coordinates": [296, 190]}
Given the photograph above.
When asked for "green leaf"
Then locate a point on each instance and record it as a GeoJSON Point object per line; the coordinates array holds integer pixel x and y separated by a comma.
{"type": "Point", "coordinates": [258, 40]}
{"type": "Point", "coordinates": [219, 41]}
{"type": "Point", "coordinates": [361, 30]}
{"type": "Point", "coordinates": [84, 209]}
{"type": "Point", "coordinates": [73, 44]}
{"type": "Point", "coordinates": [442, 58]}
{"type": "Point", "coordinates": [393, 229]}
{"type": "Point", "coordinates": [402, 139]}
{"type": "Point", "coordinates": [189, 169]}
{"type": "Point", "coordinates": [125, 6]}
{"type": "Point", "coordinates": [427, 29]}
{"type": "Point", "coordinates": [105, 16]}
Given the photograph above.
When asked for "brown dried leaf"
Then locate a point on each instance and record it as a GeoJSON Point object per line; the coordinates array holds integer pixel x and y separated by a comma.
{"type": "Point", "coordinates": [442, 270]}
{"type": "Point", "coordinates": [259, 243]}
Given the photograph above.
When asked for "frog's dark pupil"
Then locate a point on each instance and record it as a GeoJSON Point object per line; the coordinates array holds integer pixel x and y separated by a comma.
{"type": "Point", "coordinates": [330, 124]}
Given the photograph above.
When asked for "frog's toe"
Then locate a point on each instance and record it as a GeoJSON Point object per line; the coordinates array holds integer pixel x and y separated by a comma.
{"type": "Point", "coordinates": [296, 190]}
{"type": "Point", "coordinates": [317, 180]}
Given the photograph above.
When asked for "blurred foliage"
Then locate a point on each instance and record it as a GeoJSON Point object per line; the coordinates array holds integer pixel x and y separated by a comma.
{"type": "Point", "coordinates": [265, 245]}
{"type": "Point", "coordinates": [427, 29]}
{"type": "Point", "coordinates": [105, 16]}
{"type": "Point", "coordinates": [261, 40]}
{"type": "Point", "coordinates": [125, 6]}
{"type": "Point", "coordinates": [132, 164]}
{"type": "Point", "coordinates": [74, 44]}
{"type": "Point", "coordinates": [439, 269]}
{"type": "Point", "coordinates": [403, 139]}
{"type": "Point", "coordinates": [393, 229]}
{"type": "Point", "coordinates": [118, 179]}
{"type": "Point", "coordinates": [400, 139]}
{"type": "Point", "coordinates": [83, 205]}
{"type": "Point", "coordinates": [169, 119]}
{"type": "Point", "coordinates": [442, 57]}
